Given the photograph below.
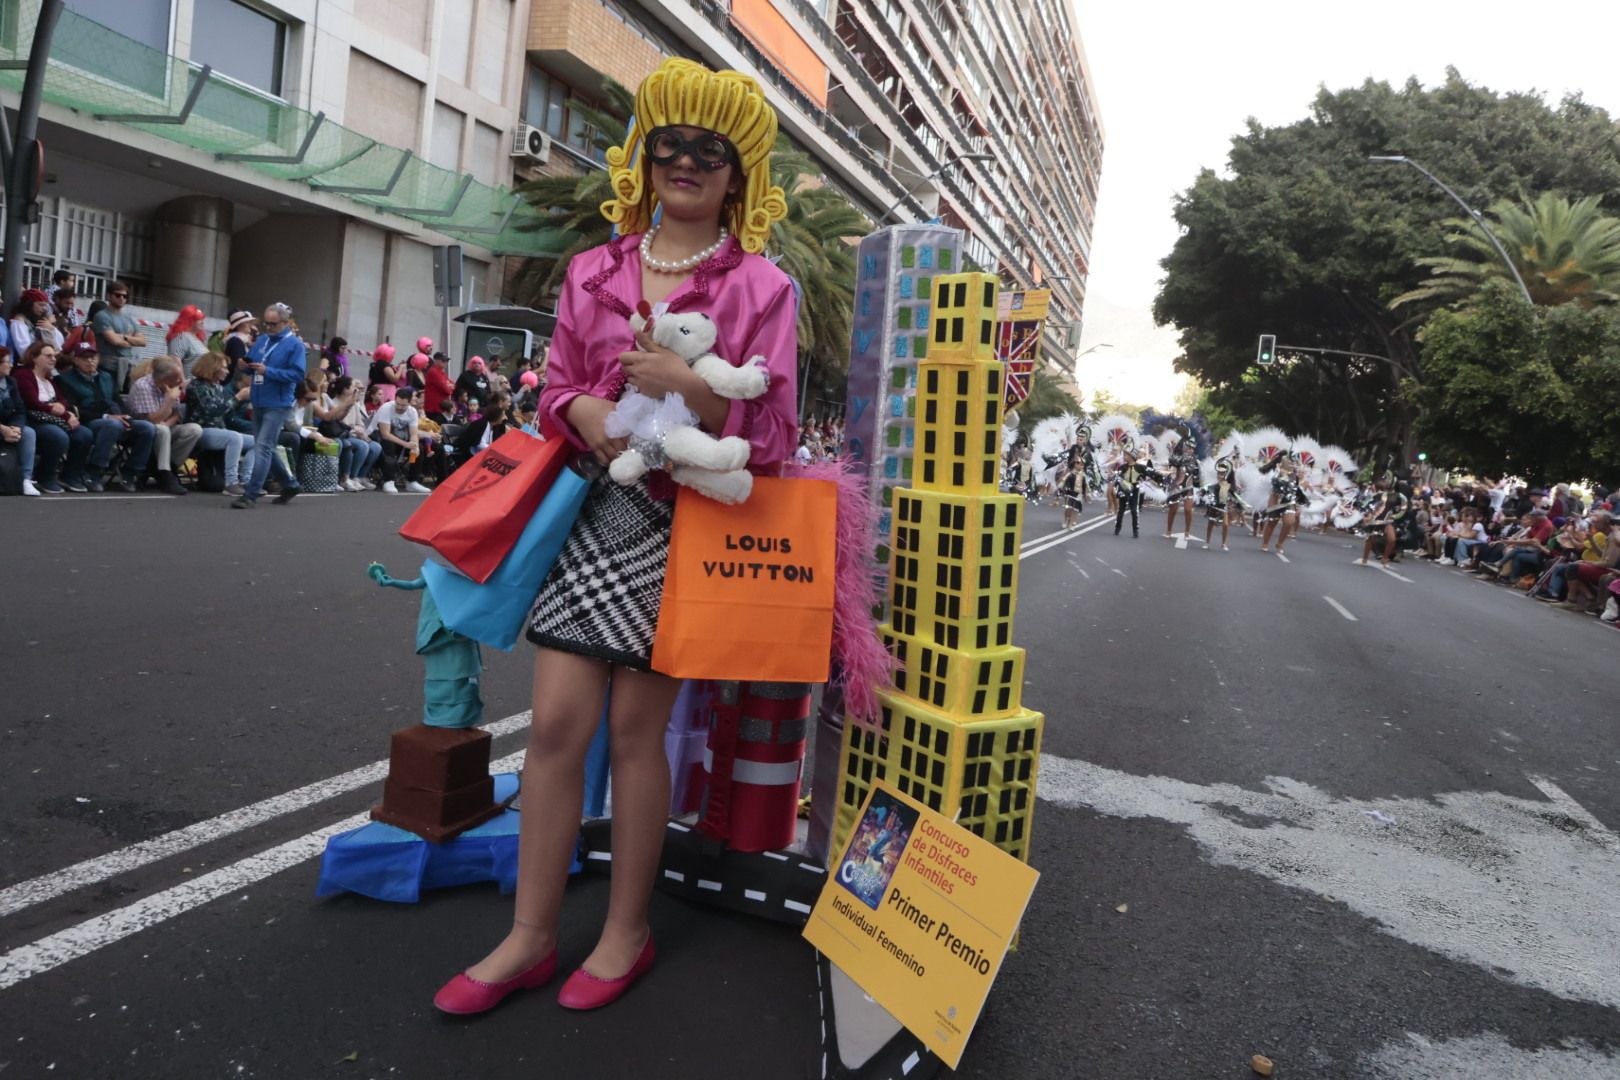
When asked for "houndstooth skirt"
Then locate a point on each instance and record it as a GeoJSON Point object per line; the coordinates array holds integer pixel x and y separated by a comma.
{"type": "Point", "coordinates": [601, 597]}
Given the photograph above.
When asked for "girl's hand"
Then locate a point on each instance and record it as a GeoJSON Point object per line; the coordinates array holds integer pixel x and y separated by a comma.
{"type": "Point", "coordinates": [587, 415]}
{"type": "Point", "coordinates": [655, 370]}
{"type": "Point", "coordinates": [58, 409]}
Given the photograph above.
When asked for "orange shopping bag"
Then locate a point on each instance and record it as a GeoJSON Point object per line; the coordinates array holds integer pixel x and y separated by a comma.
{"type": "Point", "coordinates": [748, 590]}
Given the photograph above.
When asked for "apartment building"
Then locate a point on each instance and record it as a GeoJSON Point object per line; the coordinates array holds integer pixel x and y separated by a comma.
{"type": "Point", "coordinates": [236, 152]}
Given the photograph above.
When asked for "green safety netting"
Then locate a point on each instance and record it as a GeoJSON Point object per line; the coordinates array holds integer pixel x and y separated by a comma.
{"type": "Point", "coordinates": [111, 77]}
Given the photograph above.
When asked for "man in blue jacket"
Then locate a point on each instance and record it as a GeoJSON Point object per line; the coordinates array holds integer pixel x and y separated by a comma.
{"type": "Point", "coordinates": [277, 361]}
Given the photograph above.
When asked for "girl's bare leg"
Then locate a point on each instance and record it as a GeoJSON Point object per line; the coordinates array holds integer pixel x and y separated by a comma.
{"type": "Point", "coordinates": [637, 717]}
{"type": "Point", "coordinates": [568, 695]}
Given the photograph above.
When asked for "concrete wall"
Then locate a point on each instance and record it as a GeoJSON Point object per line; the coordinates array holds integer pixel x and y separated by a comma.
{"type": "Point", "coordinates": [295, 259]}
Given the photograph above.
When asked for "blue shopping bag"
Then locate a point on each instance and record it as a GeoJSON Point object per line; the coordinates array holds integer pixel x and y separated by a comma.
{"type": "Point", "coordinates": [494, 612]}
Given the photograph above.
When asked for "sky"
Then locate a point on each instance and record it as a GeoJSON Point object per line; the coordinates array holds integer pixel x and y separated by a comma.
{"type": "Point", "coordinates": [1176, 79]}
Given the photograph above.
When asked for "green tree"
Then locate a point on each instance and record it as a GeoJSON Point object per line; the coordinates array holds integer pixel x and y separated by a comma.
{"type": "Point", "coordinates": [1509, 388]}
{"type": "Point", "coordinates": [1048, 397]}
{"type": "Point", "coordinates": [1567, 253]}
{"type": "Point", "coordinates": [1307, 239]}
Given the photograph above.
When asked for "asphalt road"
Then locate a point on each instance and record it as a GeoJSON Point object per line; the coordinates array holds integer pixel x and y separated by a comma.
{"type": "Point", "coordinates": [1365, 848]}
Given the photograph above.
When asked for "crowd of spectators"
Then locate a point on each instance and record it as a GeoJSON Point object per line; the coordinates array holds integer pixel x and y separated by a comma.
{"type": "Point", "coordinates": [1552, 544]}
{"type": "Point", "coordinates": [251, 409]}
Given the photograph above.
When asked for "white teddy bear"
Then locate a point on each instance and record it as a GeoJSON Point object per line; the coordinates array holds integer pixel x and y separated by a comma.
{"type": "Point", "coordinates": [664, 434]}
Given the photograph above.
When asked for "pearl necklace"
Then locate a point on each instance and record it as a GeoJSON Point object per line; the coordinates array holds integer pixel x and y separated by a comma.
{"type": "Point", "coordinates": [679, 266]}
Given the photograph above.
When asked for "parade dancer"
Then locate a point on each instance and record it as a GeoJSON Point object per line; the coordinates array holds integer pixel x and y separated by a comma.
{"type": "Point", "coordinates": [1392, 508]}
{"type": "Point", "coordinates": [1288, 495]}
{"type": "Point", "coordinates": [1183, 483]}
{"type": "Point", "coordinates": [1134, 467]}
{"type": "Point", "coordinates": [1069, 493]}
{"type": "Point", "coordinates": [1221, 499]}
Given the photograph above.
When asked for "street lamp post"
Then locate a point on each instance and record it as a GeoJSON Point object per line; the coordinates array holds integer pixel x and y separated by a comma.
{"type": "Point", "coordinates": [21, 151]}
{"type": "Point", "coordinates": [1469, 210]}
{"type": "Point", "coordinates": [918, 185]}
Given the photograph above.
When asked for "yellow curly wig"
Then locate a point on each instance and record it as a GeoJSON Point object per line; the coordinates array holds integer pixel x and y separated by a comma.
{"type": "Point", "coordinates": [726, 102]}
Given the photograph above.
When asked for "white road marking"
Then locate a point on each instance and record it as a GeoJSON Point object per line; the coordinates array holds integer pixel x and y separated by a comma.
{"type": "Point", "coordinates": [83, 938]}
{"type": "Point", "coordinates": [1419, 1058]}
{"type": "Point", "coordinates": [1340, 608]}
{"type": "Point", "coordinates": [25, 894]}
{"type": "Point", "coordinates": [1181, 543]}
{"type": "Point", "coordinates": [1061, 538]}
{"type": "Point", "coordinates": [1381, 569]}
{"type": "Point", "coordinates": [1516, 886]}
{"type": "Point", "coordinates": [1083, 573]}
{"type": "Point", "coordinates": [1281, 556]}
{"type": "Point", "coordinates": [1061, 533]}
{"type": "Point", "coordinates": [1118, 571]}
{"type": "Point", "coordinates": [1575, 810]}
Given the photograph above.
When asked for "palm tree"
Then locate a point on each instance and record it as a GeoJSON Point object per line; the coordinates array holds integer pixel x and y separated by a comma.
{"type": "Point", "coordinates": [572, 205]}
{"type": "Point", "coordinates": [813, 245]}
{"type": "Point", "coordinates": [1566, 252]}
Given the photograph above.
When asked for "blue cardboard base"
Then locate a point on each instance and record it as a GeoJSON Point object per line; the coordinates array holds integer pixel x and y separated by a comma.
{"type": "Point", "coordinates": [385, 863]}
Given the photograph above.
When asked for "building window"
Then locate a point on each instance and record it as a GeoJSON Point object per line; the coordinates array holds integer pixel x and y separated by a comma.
{"type": "Point", "coordinates": [545, 106]}
{"type": "Point", "coordinates": [241, 42]}
{"type": "Point", "coordinates": [145, 21]}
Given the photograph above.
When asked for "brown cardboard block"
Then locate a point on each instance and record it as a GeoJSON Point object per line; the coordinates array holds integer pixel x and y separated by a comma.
{"type": "Point", "coordinates": [438, 759]}
{"type": "Point", "coordinates": [437, 815]}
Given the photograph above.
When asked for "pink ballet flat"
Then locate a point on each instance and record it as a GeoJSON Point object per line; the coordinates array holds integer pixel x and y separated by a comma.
{"type": "Point", "coordinates": [465, 995]}
{"type": "Point", "coordinates": [586, 991]}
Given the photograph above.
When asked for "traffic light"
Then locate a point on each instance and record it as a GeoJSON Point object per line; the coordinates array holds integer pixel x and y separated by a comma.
{"type": "Point", "coordinates": [1422, 456]}
{"type": "Point", "coordinates": [1268, 350]}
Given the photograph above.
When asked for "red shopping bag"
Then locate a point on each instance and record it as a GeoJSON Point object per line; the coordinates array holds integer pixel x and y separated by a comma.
{"type": "Point", "coordinates": [476, 515]}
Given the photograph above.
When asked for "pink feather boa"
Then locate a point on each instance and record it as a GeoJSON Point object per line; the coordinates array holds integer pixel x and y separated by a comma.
{"type": "Point", "coordinates": [861, 665]}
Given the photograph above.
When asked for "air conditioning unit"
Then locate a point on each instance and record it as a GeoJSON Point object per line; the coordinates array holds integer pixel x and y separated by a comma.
{"type": "Point", "coordinates": [531, 144]}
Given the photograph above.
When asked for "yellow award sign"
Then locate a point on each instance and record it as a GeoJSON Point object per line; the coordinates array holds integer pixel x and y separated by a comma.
{"type": "Point", "coordinates": [919, 912]}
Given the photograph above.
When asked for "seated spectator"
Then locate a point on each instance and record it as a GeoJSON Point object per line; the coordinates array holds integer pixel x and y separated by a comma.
{"type": "Point", "coordinates": [90, 391]}
{"type": "Point", "coordinates": [1434, 542]}
{"type": "Point", "coordinates": [495, 422]}
{"type": "Point", "coordinates": [1522, 551]}
{"type": "Point", "coordinates": [186, 337]}
{"type": "Point", "coordinates": [68, 317]}
{"type": "Point", "coordinates": [62, 445]}
{"type": "Point", "coordinates": [1466, 534]}
{"type": "Point", "coordinates": [1593, 542]}
{"type": "Point", "coordinates": [14, 429]}
{"type": "Point", "coordinates": [157, 397]}
{"type": "Point", "coordinates": [395, 427]}
{"type": "Point", "coordinates": [212, 405]}
{"type": "Point", "coordinates": [1588, 579]}
{"type": "Point", "coordinates": [31, 321]}
{"type": "Point", "coordinates": [474, 382]}
{"type": "Point", "coordinates": [241, 418]}
{"type": "Point", "coordinates": [335, 358]}
{"type": "Point", "coordinates": [359, 454]}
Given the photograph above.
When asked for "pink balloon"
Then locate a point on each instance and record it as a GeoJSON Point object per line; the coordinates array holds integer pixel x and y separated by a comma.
{"type": "Point", "coordinates": [419, 361]}
{"type": "Point", "coordinates": [529, 379]}
{"type": "Point", "coordinates": [424, 344]}
{"type": "Point", "coordinates": [385, 353]}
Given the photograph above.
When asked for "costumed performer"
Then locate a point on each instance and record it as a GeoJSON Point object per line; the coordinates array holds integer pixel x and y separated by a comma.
{"type": "Point", "coordinates": [1183, 481]}
{"type": "Point", "coordinates": [1385, 520]}
{"type": "Point", "coordinates": [1287, 496]}
{"type": "Point", "coordinates": [1221, 499]}
{"type": "Point", "coordinates": [699, 152]}
{"type": "Point", "coordinates": [1134, 468]}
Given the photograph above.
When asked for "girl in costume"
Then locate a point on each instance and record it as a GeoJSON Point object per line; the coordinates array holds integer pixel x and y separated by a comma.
{"type": "Point", "coordinates": [1222, 500]}
{"type": "Point", "coordinates": [1183, 481]}
{"type": "Point", "coordinates": [1287, 496]}
{"type": "Point", "coordinates": [698, 156]}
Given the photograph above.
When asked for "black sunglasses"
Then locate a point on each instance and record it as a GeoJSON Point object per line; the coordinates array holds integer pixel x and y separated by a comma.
{"type": "Point", "coordinates": [665, 146]}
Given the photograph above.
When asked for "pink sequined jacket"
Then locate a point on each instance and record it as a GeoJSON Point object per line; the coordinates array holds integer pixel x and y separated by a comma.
{"type": "Point", "coordinates": [754, 310]}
